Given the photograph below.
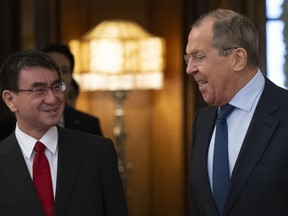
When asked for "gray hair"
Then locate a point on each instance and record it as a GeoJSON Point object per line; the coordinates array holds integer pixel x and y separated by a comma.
{"type": "Point", "coordinates": [231, 29]}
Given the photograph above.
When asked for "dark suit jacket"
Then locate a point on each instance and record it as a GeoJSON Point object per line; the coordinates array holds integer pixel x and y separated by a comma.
{"type": "Point", "coordinates": [7, 125]}
{"type": "Point", "coordinates": [73, 119]}
{"type": "Point", "coordinates": [259, 182]}
{"type": "Point", "coordinates": [88, 181]}
{"type": "Point", "coordinates": [81, 121]}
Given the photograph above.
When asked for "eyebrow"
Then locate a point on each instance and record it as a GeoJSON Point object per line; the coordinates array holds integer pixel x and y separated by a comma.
{"type": "Point", "coordinates": [197, 51]}
{"type": "Point", "coordinates": [37, 84]}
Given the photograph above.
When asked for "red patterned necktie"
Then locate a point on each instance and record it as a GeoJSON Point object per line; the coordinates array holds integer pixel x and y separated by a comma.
{"type": "Point", "coordinates": [42, 179]}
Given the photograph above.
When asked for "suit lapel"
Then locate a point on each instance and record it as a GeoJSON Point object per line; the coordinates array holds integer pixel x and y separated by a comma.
{"type": "Point", "coordinates": [260, 131]}
{"type": "Point", "coordinates": [69, 161]}
{"type": "Point", "coordinates": [206, 122]}
{"type": "Point", "coordinates": [15, 169]}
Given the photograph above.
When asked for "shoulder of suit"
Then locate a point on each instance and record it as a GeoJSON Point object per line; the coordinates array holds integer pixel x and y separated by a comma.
{"type": "Point", "coordinates": [75, 133]}
{"type": "Point", "coordinates": [73, 112]}
{"type": "Point", "coordinates": [80, 138]}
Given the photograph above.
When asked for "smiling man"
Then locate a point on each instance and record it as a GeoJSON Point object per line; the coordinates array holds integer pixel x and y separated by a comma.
{"type": "Point", "coordinates": [46, 169]}
{"type": "Point", "coordinates": [38, 102]}
{"type": "Point", "coordinates": [239, 154]}
{"type": "Point", "coordinates": [71, 117]}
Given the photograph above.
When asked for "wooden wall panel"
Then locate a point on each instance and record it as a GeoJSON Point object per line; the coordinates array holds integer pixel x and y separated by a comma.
{"type": "Point", "coordinates": [168, 148]}
{"type": "Point", "coordinates": [10, 40]}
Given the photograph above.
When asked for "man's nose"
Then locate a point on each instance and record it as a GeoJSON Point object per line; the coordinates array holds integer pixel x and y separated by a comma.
{"type": "Point", "coordinates": [191, 67]}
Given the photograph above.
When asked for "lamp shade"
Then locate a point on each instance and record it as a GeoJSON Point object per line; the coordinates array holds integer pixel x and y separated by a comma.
{"type": "Point", "coordinates": [118, 55]}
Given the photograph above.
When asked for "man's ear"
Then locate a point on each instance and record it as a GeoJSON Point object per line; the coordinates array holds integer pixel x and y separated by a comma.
{"type": "Point", "coordinates": [240, 59]}
{"type": "Point", "coordinates": [9, 98]}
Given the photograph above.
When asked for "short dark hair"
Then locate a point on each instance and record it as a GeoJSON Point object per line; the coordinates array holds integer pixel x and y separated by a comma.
{"type": "Point", "coordinates": [10, 69]}
{"type": "Point", "coordinates": [62, 49]}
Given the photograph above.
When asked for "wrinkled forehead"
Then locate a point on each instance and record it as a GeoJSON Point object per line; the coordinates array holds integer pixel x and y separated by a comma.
{"type": "Point", "coordinates": [200, 36]}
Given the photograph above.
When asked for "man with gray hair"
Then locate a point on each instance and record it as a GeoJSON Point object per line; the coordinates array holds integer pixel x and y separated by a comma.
{"type": "Point", "coordinates": [239, 154]}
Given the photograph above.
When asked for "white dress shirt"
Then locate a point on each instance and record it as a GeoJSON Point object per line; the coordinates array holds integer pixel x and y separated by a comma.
{"type": "Point", "coordinates": [50, 140]}
{"type": "Point", "coordinates": [245, 102]}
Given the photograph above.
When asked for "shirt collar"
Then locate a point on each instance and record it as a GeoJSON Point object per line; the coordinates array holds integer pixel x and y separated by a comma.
{"type": "Point", "coordinates": [245, 98]}
{"type": "Point", "coordinates": [27, 143]}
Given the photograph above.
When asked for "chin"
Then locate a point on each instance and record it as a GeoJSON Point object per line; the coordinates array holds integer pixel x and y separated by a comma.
{"type": "Point", "coordinates": [207, 100]}
{"type": "Point", "coordinates": [52, 123]}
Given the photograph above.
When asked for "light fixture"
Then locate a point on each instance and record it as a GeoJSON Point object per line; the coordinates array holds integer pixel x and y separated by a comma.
{"type": "Point", "coordinates": [118, 56]}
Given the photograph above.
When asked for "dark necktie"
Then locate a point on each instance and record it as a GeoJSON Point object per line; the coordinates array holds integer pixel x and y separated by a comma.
{"type": "Point", "coordinates": [42, 179]}
{"type": "Point", "coordinates": [221, 176]}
